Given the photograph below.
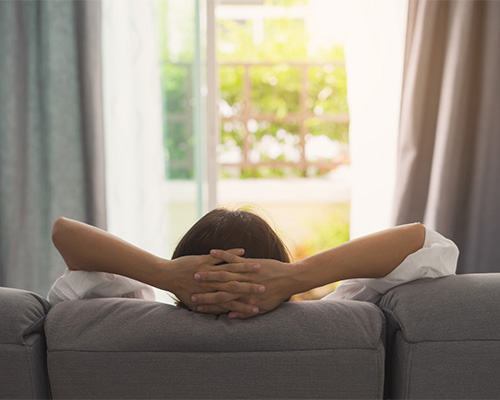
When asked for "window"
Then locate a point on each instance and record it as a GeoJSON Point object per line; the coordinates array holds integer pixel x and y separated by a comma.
{"type": "Point", "coordinates": [283, 144]}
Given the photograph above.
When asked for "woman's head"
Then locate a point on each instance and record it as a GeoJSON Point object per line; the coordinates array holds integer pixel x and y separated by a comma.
{"type": "Point", "coordinates": [225, 229]}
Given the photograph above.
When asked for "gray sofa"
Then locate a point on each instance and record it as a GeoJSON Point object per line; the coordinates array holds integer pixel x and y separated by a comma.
{"type": "Point", "coordinates": [426, 339]}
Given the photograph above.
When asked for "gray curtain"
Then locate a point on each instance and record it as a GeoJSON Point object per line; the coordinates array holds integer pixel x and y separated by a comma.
{"type": "Point", "coordinates": [51, 144]}
{"type": "Point", "coordinates": [449, 148]}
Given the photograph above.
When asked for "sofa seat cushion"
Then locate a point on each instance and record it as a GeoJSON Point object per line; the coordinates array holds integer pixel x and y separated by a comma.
{"type": "Point", "coordinates": [444, 337]}
{"type": "Point", "coordinates": [126, 348]}
{"type": "Point", "coordinates": [22, 345]}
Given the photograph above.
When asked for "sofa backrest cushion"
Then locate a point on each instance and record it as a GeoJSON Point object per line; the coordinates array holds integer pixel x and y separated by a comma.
{"type": "Point", "coordinates": [135, 348]}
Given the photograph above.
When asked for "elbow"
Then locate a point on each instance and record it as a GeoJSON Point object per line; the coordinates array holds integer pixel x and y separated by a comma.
{"type": "Point", "coordinates": [58, 229]}
{"type": "Point", "coordinates": [61, 237]}
{"type": "Point", "coordinates": [418, 232]}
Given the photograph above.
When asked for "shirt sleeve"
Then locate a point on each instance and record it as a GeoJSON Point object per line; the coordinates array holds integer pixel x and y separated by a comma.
{"type": "Point", "coordinates": [438, 257]}
{"type": "Point", "coordinates": [74, 285]}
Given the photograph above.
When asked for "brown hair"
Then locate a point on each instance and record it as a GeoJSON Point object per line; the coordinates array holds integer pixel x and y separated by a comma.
{"type": "Point", "coordinates": [225, 229]}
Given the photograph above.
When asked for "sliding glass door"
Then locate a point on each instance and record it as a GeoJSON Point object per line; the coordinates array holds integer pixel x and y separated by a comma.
{"type": "Point", "coordinates": [189, 153]}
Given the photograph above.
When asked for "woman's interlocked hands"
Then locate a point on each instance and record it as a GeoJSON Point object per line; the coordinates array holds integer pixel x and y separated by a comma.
{"type": "Point", "coordinates": [182, 277]}
{"type": "Point", "coordinates": [272, 283]}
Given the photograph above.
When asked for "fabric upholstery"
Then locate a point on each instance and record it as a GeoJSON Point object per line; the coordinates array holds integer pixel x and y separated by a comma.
{"type": "Point", "coordinates": [140, 348]}
{"type": "Point", "coordinates": [22, 345]}
{"type": "Point", "coordinates": [444, 338]}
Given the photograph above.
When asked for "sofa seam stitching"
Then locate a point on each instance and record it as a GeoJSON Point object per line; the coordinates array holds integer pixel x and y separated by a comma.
{"type": "Point", "coordinates": [206, 352]}
{"type": "Point", "coordinates": [409, 368]}
{"type": "Point", "coordinates": [30, 368]}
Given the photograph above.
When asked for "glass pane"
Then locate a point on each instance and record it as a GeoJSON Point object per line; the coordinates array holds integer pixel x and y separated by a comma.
{"type": "Point", "coordinates": [275, 89]}
{"type": "Point", "coordinates": [230, 152]}
{"type": "Point", "coordinates": [178, 150]}
{"type": "Point", "coordinates": [231, 90]}
{"type": "Point", "coordinates": [274, 141]}
{"type": "Point", "coordinates": [326, 146]}
{"type": "Point", "coordinates": [256, 38]}
{"type": "Point", "coordinates": [176, 88]}
{"type": "Point", "coordinates": [338, 131]}
{"type": "Point", "coordinates": [327, 90]}
{"type": "Point", "coordinates": [181, 51]}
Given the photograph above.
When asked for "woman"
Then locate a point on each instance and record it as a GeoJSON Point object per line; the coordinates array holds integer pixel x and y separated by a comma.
{"type": "Point", "coordinates": [244, 286]}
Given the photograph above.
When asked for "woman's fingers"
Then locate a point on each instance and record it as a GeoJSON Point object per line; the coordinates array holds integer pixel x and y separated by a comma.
{"type": "Point", "coordinates": [233, 306]}
{"type": "Point", "coordinates": [213, 297]}
{"type": "Point", "coordinates": [231, 254]}
{"type": "Point", "coordinates": [242, 287]}
{"type": "Point", "coordinates": [236, 252]}
{"type": "Point", "coordinates": [231, 291]}
{"type": "Point", "coordinates": [227, 255]}
{"type": "Point", "coordinates": [240, 315]}
{"type": "Point", "coordinates": [212, 309]}
{"type": "Point", "coordinates": [221, 292]}
{"type": "Point", "coordinates": [227, 273]}
{"type": "Point", "coordinates": [240, 307]}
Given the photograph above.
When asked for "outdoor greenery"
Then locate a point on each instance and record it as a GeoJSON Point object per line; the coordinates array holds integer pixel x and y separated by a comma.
{"type": "Point", "coordinates": [330, 231]}
{"type": "Point", "coordinates": [275, 92]}
{"type": "Point", "coordinates": [275, 97]}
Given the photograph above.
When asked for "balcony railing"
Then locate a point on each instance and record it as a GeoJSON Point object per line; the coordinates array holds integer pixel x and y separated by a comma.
{"type": "Point", "coordinates": [248, 113]}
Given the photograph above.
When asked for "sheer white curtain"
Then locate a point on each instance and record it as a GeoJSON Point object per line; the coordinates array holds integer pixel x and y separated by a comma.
{"type": "Point", "coordinates": [374, 52]}
{"type": "Point", "coordinates": [136, 203]}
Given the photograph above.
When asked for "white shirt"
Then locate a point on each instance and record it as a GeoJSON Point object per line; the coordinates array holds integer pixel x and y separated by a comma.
{"type": "Point", "coordinates": [438, 257]}
{"type": "Point", "coordinates": [74, 285]}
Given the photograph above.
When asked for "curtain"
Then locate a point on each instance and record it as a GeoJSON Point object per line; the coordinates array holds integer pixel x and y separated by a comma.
{"type": "Point", "coordinates": [135, 167]}
{"type": "Point", "coordinates": [51, 144]}
{"type": "Point", "coordinates": [449, 144]}
{"type": "Point", "coordinates": [374, 53]}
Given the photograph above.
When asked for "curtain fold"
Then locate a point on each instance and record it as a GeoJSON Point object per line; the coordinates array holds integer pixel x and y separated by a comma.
{"type": "Point", "coordinates": [449, 145]}
{"type": "Point", "coordinates": [135, 167]}
{"type": "Point", "coordinates": [51, 139]}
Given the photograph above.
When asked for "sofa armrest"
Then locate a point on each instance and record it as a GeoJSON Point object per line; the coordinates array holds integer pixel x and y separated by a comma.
{"type": "Point", "coordinates": [22, 345]}
{"type": "Point", "coordinates": [444, 338]}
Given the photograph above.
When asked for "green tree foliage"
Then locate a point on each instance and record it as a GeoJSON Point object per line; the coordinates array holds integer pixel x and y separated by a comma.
{"type": "Point", "coordinates": [327, 90]}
